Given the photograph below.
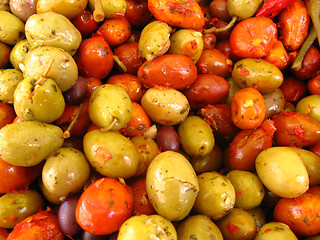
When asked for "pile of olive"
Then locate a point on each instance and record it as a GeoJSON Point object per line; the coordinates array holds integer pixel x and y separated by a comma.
{"type": "Point", "coordinates": [126, 119]}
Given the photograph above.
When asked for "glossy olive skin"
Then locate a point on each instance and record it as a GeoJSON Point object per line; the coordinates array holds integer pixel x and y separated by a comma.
{"type": "Point", "coordinates": [110, 7]}
{"type": "Point", "coordinates": [282, 171]}
{"type": "Point", "coordinates": [253, 72]}
{"type": "Point", "coordinates": [310, 106]}
{"type": "Point", "coordinates": [111, 154]}
{"type": "Point", "coordinates": [214, 62]}
{"type": "Point", "coordinates": [167, 138]}
{"type": "Point", "coordinates": [170, 70]}
{"type": "Point", "coordinates": [65, 172]}
{"type": "Point", "coordinates": [154, 40]}
{"type": "Point", "coordinates": [19, 52]}
{"type": "Point", "coordinates": [216, 196]}
{"type": "Point", "coordinates": [172, 185]}
{"type": "Point", "coordinates": [146, 227]}
{"type": "Point", "coordinates": [238, 225]}
{"type": "Point", "coordinates": [275, 230]}
{"type": "Point", "coordinates": [196, 136]}
{"type": "Point", "coordinates": [16, 206]}
{"type": "Point", "coordinates": [10, 79]}
{"type": "Point", "coordinates": [275, 102]}
{"type": "Point", "coordinates": [243, 9]}
{"type": "Point", "coordinates": [66, 35]}
{"type": "Point", "coordinates": [249, 189]}
{"type": "Point", "coordinates": [198, 227]}
{"type": "Point", "coordinates": [110, 103]}
{"type": "Point", "coordinates": [166, 106]}
{"type": "Point", "coordinates": [28, 143]}
{"type": "Point", "coordinates": [4, 53]}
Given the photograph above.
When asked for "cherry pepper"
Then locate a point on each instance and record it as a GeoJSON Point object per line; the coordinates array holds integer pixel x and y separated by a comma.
{"type": "Point", "coordinates": [272, 8]}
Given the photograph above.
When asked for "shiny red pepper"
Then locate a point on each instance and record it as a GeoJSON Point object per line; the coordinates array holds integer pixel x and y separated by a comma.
{"type": "Point", "coordinates": [272, 8]}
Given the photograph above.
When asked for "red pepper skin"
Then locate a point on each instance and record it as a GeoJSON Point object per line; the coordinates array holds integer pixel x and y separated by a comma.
{"type": "Point", "coordinates": [272, 8]}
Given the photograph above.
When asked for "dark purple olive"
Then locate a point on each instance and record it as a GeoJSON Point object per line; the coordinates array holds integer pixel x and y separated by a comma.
{"type": "Point", "coordinates": [66, 216]}
{"type": "Point", "coordinates": [167, 138]}
{"type": "Point", "coordinates": [77, 93]}
{"type": "Point", "coordinates": [88, 236]}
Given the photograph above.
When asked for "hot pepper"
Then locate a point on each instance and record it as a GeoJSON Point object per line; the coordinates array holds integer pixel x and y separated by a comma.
{"type": "Point", "coordinates": [272, 8]}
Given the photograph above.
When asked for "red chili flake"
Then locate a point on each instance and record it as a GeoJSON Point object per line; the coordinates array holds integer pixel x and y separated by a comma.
{"type": "Point", "coordinates": [102, 155]}
{"type": "Point", "coordinates": [244, 72]}
{"type": "Point", "coordinates": [298, 131]}
{"type": "Point", "coordinates": [239, 193]}
{"type": "Point", "coordinates": [267, 230]}
{"type": "Point", "coordinates": [233, 229]}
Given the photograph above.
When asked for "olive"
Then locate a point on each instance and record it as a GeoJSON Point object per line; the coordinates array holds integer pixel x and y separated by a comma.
{"type": "Point", "coordinates": [168, 139]}
{"type": "Point", "coordinates": [275, 230]}
{"type": "Point", "coordinates": [11, 28]}
{"type": "Point", "coordinates": [9, 79]}
{"type": "Point", "coordinates": [310, 106]}
{"type": "Point", "coordinates": [76, 94]}
{"type": "Point", "coordinates": [19, 52]}
{"type": "Point", "coordinates": [23, 9]}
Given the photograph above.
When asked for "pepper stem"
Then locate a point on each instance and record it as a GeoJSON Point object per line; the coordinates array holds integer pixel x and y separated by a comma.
{"type": "Point", "coordinates": [98, 13]}
{"type": "Point", "coordinates": [225, 28]}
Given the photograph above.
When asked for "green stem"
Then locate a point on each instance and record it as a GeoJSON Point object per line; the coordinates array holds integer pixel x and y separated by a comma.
{"type": "Point", "coordinates": [313, 7]}
{"type": "Point", "coordinates": [304, 48]}
{"type": "Point", "coordinates": [217, 30]}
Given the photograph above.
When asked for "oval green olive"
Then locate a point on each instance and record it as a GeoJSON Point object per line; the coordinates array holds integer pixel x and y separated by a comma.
{"type": "Point", "coordinates": [111, 154]}
{"type": "Point", "coordinates": [16, 206]}
{"type": "Point", "coordinates": [172, 185]}
{"type": "Point", "coordinates": [310, 106]}
{"type": "Point", "coordinates": [258, 73]}
{"type": "Point", "coordinates": [275, 230]}
{"type": "Point", "coordinates": [65, 172]}
{"type": "Point", "coordinates": [9, 79]}
{"type": "Point", "coordinates": [110, 7]}
{"type": "Point", "coordinates": [242, 8]}
{"type": "Point", "coordinates": [196, 136]}
{"type": "Point", "coordinates": [28, 143]}
{"type": "Point", "coordinates": [11, 28]}
{"type": "Point", "coordinates": [19, 52]}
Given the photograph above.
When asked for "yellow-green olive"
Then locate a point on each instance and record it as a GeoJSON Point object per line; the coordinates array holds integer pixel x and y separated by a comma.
{"type": "Point", "coordinates": [312, 163]}
{"type": "Point", "coordinates": [198, 227]}
{"type": "Point", "coordinates": [63, 70]}
{"type": "Point", "coordinates": [110, 7]}
{"type": "Point", "coordinates": [275, 230]}
{"type": "Point", "coordinates": [172, 185]}
{"type": "Point", "coordinates": [28, 143]}
{"type": "Point", "coordinates": [166, 106]}
{"type": "Point", "coordinates": [49, 196]}
{"type": "Point", "coordinates": [110, 106]}
{"type": "Point", "coordinates": [249, 189]}
{"type": "Point", "coordinates": [310, 106]}
{"type": "Point", "coordinates": [243, 225]}
{"type": "Point", "coordinates": [9, 80]}
{"type": "Point", "coordinates": [52, 29]}
{"type": "Point", "coordinates": [11, 28]}
{"type": "Point", "coordinates": [258, 73]}
{"type": "Point", "coordinates": [16, 206]}
{"type": "Point", "coordinates": [216, 196]}
{"type": "Point", "coordinates": [259, 216]}
{"type": "Point", "coordinates": [243, 9]}
{"type": "Point", "coordinates": [275, 102]}
{"type": "Point", "coordinates": [69, 8]}
{"type": "Point", "coordinates": [65, 172]}
{"type": "Point", "coordinates": [19, 52]}
{"type": "Point", "coordinates": [187, 42]}
{"type": "Point", "coordinates": [111, 154]}
{"type": "Point", "coordinates": [146, 227]}
{"type": "Point", "coordinates": [196, 136]}
{"type": "Point", "coordinates": [154, 40]}
{"type": "Point", "coordinates": [232, 90]}
{"type": "Point", "coordinates": [282, 171]}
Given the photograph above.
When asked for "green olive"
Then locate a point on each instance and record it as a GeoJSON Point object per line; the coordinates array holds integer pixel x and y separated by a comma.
{"type": "Point", "coordinates": [147, 149]}
{"type": "Point", "coordinates": [232, 90]}
{"type": "Point", "coordinates": [196, 136]}
{"type": "Point", "coordinates": [282, 171]}
{"type": "Point", "coordinates": [258, 73]}
{"type": "Point", "coordinates": [243, 225]}
{"type": "Point", "coordinates": [69, 8]}
{"type": "Point", "coordinates": [16, 206]}
{"type": "Point", "coordinates": [259, 216]}
{"type": "Point", "coordinates": [19, 52]}
{"type": "Point", "coordinates": [243, 8]}
{"type": "Point", "coordinates": [216, 196]}
{"type": "Point", "coordinates": [310, 106]}
{"type": "Point", "coordinates": [63, 70]}
{"type": "Point", "coordinates": [146, 227]}
{"type": "Point", "coordinates": [52, 29]}
{"type": "Point", "coordinates": [198, 227]}
{"type": "Point", "coordinates": [172, 185]}
{"type": "Point", "coordinates": [275, 230]}
{"type": "Point", "coordinates": [49, 196]}
{"type": "Point", "coordinates": [65, 172]}
{"type": "Point", "coordinates": [110, 7]}
{"type": "Point", "coordinates": [154, 40]}
{"type": "Point", "coordinates": [9, 80]}
{"type": "Point", "coordinates": [166, 106]}
{"type": "Point", "coordinates": [28, 143]}
{"type": "Point", "coordinates": [11, 28]}
{"type": "Point", "coordinates": [111, 154]}
{"type": "Point", "coordinates": [187, 42]}
{"type": "Point", "coordinates": [248, 187]}
{"type": "Point", "coordinates": [275, 102]}
{"type": "Point", "coordinates": [110, 106]}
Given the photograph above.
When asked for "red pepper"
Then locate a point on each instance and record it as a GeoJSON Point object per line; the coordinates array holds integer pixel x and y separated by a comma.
{"type": "Point", "coordinates": [272, 8]}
